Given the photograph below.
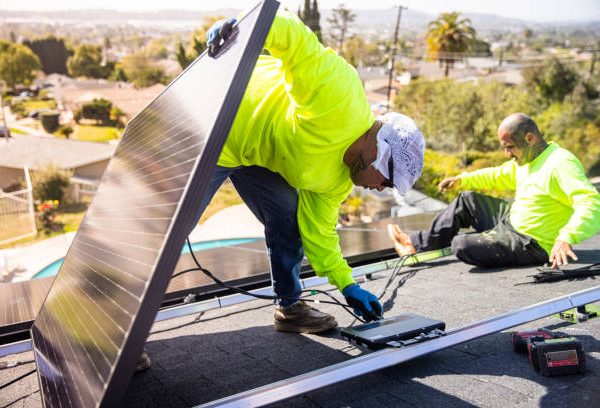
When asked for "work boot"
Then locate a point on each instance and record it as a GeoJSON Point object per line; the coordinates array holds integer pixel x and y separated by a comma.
{"type": "Point", "coordinates": [143, 363]}
{"type": "Point", "coordinates": [301, 318]}
{"type": "Point", "coordinates": [401, 240]}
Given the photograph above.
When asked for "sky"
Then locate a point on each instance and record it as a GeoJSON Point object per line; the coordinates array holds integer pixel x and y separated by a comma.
{"type": "Point", "coordinates": [532, 10]}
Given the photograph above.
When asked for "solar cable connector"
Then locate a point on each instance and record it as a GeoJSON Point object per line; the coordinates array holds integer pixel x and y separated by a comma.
{"type": "Point", "coordinates": [546, 274]}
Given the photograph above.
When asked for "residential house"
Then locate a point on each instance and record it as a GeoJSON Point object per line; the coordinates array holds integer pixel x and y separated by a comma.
{"type": "Point", "coordinates": [86, 160]}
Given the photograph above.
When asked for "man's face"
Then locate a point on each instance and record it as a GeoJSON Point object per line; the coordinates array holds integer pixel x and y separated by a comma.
{"type": "Point", "coordinates": [369, 178]}
{"type": "Point", "coordinates": [522, 154]}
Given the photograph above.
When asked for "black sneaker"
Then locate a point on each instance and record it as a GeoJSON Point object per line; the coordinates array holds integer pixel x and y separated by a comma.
{"type": "Point", "coordinates": [143, 362]}
{"type": "Point", "coordinates": [301, 318]}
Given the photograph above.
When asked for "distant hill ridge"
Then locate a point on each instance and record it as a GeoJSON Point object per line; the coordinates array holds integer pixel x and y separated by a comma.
{"type": "Point", "coordinates": [366, 20]}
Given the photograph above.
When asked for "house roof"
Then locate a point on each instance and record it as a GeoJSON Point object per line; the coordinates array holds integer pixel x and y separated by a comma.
{"type": "Point", "coordinates": [197, 359]}
{"type": "Point", "coordinates": [37, 152]}
{"type": "Point", "coordinates": [127, 98]}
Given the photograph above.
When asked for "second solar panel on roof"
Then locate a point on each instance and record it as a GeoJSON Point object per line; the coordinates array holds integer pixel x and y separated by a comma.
{"type": "Point", "coordinates": [92, 327]}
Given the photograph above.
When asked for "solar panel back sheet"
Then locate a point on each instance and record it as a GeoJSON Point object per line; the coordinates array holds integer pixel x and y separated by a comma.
{"type": "Point", "coordinates": [93, 324]}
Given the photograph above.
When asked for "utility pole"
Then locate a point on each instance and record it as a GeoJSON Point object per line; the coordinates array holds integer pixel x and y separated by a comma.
{"type": "Point", "coordinates": [393, 56]}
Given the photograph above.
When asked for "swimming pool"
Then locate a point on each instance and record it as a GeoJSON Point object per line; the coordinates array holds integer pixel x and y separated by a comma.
{"type": "Point", "coordinates": [52, 269]}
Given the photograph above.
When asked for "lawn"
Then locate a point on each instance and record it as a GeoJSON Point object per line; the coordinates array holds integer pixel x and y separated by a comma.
{"type": "Point", "coordinates": [225, 197]}
{"type": "Point", "coordinates": [32, 105]}
{"type": "Point", "coordinates": [91, 133]}
{"type": "Point", "coordinates": [68, 217]}
{"type": "Point", "coordinates": [17, 131]}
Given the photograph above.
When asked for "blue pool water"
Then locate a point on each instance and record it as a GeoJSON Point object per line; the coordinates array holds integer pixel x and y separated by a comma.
{"type": "Point", "coordinates": [52, 269]}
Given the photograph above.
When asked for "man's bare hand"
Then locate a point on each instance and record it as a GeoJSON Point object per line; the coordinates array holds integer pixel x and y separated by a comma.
{"type": "Point", "coordinates": [449, 183]}
{"type": "Point", "coordinates": [560, 253]}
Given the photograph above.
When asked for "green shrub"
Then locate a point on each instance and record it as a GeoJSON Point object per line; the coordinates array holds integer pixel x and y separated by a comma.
{"type": "Point", "coordinates": [439, 165]}
{"type": "Point", "coordinates": [19, 109]}
{"type": "Point", "coordinates": [50, 183]}
{"type": "Point", "coordinates": [65, 131]}
{"type": "Point", "coordinates": [50, 121]}
{"type": "Point", "coordinates": [98, 110]}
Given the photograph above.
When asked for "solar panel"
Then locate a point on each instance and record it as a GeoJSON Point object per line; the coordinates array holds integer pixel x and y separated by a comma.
{"type": "Point", "coordinates": [241, 265]}
{"type": "Point", "coordinates": [92, 327]}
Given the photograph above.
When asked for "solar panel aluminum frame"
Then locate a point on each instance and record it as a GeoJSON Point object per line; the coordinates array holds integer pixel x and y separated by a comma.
{"type": "Point", "coordinates": [110, 392]}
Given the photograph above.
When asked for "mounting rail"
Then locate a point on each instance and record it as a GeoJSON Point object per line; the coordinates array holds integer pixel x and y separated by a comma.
{"type": "Point", "coordinates": [388, 357]}
{"type": "Point", "coordinates": [223, 301]}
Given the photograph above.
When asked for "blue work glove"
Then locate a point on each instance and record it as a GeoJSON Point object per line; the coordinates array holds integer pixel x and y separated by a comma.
{"type": "Point", "coordinates": [365, 303]}
{"type": "Point", "coordinates": [217, 34]}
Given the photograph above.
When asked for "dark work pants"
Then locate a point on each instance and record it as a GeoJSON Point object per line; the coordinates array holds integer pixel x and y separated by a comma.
{"type": "Point", "coordinates": [275, 203]}
{"type": "Point", "coordinates": [494, 242]}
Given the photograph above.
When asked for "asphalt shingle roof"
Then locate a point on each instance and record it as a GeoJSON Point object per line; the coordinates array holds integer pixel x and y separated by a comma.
{"type": "Point", "coordinates": [37, 152]}
{"type": "Point", "coordinates": [235, 349]}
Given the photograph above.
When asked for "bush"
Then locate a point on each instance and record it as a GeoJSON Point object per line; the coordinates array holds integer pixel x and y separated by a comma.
{"type": "Point", "coordinates": [66, 131]}
{"type": "Point", "coordinates": [46, 212]}
{"type": "Point", "coordinates": [98, 110]}
{"type": "Point", "coordinates": [50, 183]}
{"type": "Point", "coordinates": [18, 108]}
{"type": "Point", "coordinates": [50, 121]}
{"type": "Point", "coordinates": [439, 166]}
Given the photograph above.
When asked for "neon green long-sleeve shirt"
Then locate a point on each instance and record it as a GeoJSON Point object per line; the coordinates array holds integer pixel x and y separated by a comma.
{"type": "Point", "coordinates": [304, 106]}
{"type": "Point", "coordinates": [553, 200]}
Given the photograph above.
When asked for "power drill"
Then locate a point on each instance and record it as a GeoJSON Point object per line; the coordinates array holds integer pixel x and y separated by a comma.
{"type": "Point", "coordinates": [552, 353]}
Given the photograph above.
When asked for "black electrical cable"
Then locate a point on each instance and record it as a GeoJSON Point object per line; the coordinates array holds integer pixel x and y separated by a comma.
{"type": "Point", "coordinates": [19, 378]}
{"type": "Point", "coordinates": [393, 275]}
{"type": "Point", "coordinates": [264, 297]}
{"type": "Point", "coordinates": [546, 274]}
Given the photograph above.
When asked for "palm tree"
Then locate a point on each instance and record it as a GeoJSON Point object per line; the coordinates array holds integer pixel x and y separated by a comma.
{"type": "Point", "coordinates": [448, 38]}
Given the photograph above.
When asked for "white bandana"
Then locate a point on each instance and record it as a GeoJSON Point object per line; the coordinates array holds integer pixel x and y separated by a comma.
{"type": "Point", "coordinates": [400, 138]}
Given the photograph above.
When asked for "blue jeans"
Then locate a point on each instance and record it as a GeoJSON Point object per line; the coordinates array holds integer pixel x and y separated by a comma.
{"type": "Point", "coordinates": [275, 203]}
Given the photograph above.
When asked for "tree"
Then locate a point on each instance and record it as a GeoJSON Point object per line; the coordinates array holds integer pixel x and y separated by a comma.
{"type": "Point", "coordinates": [17, 64]}
{"type": "Point", "coordinates": [52, 53]}
{"type": "Point", "coordinates": [98, 110]}
{"type": "Point", "coordinates": [552, 80]}
{"type": "Point", "coordinates": [50, 183]}
{"type": "Point", "coordinates": [340, 21]}
{"type": "Point", "coordinates": [87, 62]}
{"type": "Point", "coordinates": [311, 17]}
{"type": "Point", "coordinates": [448, 38]}
{"type": "Point", "coordinates": [157, 50]}
{"type": "Point", "coordinates": [359, 52]}
{"type": "Point", "coordinates": [140, 70]}
{"type": "Point", "coordinates": [182, 58]}
{"type": "Point", "coordinates": [197, 43]}
{"type": "Point", "coordinates": [66, 131]}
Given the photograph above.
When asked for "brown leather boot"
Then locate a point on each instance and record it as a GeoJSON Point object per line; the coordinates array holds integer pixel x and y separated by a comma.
{"type": "Point", "coordinates": [301, 318]}
{"type": "Point", "coordinates": [401, 240]}
{"type": "Point", "coordinates": [143, 363]}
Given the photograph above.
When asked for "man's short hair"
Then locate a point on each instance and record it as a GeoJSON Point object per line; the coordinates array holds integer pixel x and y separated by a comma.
{"type": "Point", "coordinates": [518, 125]}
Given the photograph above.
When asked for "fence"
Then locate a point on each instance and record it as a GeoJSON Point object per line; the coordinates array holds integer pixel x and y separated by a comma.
{"type": "Point", "coordinates": [17, 217]}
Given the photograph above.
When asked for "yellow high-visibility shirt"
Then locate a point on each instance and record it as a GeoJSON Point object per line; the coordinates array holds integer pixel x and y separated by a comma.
{"type": "Point", "coordinates": [303, 108]}
{"type": "Point", "coordinates": [554, 199]}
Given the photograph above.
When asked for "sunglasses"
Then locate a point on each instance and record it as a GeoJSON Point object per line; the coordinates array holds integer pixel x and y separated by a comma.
{"type": "Point", "coordinates": [390, 182]}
